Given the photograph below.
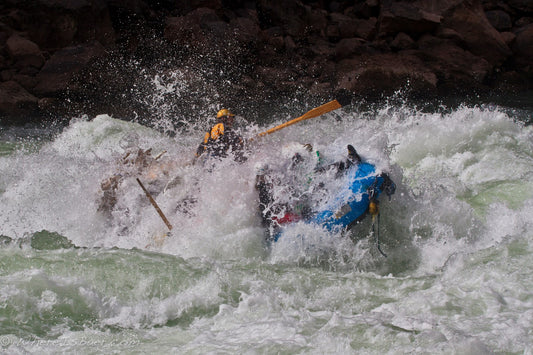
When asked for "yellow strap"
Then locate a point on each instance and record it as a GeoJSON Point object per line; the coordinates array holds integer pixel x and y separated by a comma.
{"type": "Point", "coordinates": [206, 137]}
{"type": "Point", "coordinates": [217, 131]}
{"type": "Point", "coordinates": [373, 208]}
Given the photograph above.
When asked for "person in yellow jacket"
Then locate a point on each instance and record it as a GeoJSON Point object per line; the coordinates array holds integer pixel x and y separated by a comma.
{"type": "Point", "coordinates": [222, 139]}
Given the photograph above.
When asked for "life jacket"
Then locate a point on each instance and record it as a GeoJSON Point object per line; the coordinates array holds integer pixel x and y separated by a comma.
{"type": "Point", "coordinates": [216, 132]}
{"type": "Point", "coordinates": [219, 140]}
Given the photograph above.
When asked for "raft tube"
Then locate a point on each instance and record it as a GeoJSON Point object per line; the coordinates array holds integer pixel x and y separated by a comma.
{"type": "Point", "coordinates": [350, 204]}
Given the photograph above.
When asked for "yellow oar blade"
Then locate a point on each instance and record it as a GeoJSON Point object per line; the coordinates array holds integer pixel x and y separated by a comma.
{"type": "Point", "coordinates": [317, 111]}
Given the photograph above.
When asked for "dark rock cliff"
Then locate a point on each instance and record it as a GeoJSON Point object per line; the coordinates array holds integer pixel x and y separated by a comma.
{"type": "Point", "coordinates": [66, 57]}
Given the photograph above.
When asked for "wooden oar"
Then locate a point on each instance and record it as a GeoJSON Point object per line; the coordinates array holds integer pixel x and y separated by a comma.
{"type": "Point", "coordinates": [317, 111]}
{"type": "Point", "coordinates": [152, 201]}
{"type": "Point", "coordinates": [344, 99]}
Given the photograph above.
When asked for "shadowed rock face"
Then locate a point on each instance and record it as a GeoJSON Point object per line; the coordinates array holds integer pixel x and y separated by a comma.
{"type": "Point", "coordinates": [65, 57]}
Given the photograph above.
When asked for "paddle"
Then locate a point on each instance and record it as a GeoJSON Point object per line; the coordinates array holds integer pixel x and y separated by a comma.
{"type": "Point", "coordinates": [345, 98]}
{"type": "Point", "coordinates": [317, 111]}
{"type": "Point", "coordinates": [152, 201]}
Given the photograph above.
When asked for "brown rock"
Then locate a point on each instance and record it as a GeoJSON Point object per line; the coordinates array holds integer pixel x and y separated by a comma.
{"type": "Point", "coordinates": [15, 100]}
{"type": "Point", "coordinates": [72, 5]}
{"type": "Point", "coordinates": [328, 72]}
{"type": "Point", "coordinates": [468, 19]}
{"type": "Point", "coordinates": [366, 29]}
{"type": "Point", "coordinates": [448, 33]}
{"type": "Point", "coordinates": [521, 5]}
{"type": "Point", "coordinates": [54, 24]}
{"type": "Point", "coordinates": [272, 75]}
{"type": "Point", "coordinates": [499, 19]}
{"type": "Point", "coordinates": [277, 42]}
{"type": "Point", "coordinates": [24, 52]}
{"type": "Point", "coordinates": [373, 75]}
{"type": "Point", "coordinates": [406, 17]}
{"type": "Point", "coordinates": [7, 75]}
{"type": "Point", "coordinates": [292, 16]}
{"type": "Point", "coordinates": [317, 21]}
{"type": "Point", "coordinates": [321, 48]}
{"type": "Point", "coordinates": [512, 82]}
{"type": "Point", "coordinates": [264, 47]}
{"type": "Point", "coordinates": [402, 41]}
{"type": "Point", "coordinates": [28, 82]}
{"type": "Point", "coordinates": [523, 46]}
{"type": "Point", "coordinates": [348, 47]}
{"type": "Point", "coordinates": [193, 29]}
{"type": "Point", "coordinates": [93, 23]}
{"type": "Point", "coordinates": [245, 30]}
{"type": "Point", "coordinates": [275, 31]}
{"type": "Point", "coordinates": [332, 31]}
{"type": "Point", "coordinates": [290, 45]}
{"type": "Point", "coordinates": [57, 73]}
{"type": "Point", "coordinates": [523, 21]}
{"type": "Point", "coordinates": [508, 37]}
{"type": "Point", "coordinates": [345, 26]}
{"type": "Point", "coordinates": [451, 63]}
{"type": "Point", "coordinates": [317, 88]}
{"type": "Point", "coordinates": [48, 104]}
{"type": "Point", "coordinates": [315, 69]}
{"type": "Point", "coordinates": [364, 9]}
{"type": "Point", "coordinates": [64, 28]}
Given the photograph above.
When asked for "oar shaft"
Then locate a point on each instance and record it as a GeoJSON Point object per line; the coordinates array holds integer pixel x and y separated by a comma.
{"type": "Point", "coordinates": [377, 236]}
{"type": "Point", "coordinates": [152, 201]}
{"type": "Point", "coordinates": [317, 111]}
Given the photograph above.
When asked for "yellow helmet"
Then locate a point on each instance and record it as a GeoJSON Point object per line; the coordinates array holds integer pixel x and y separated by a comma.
{"type": "Point", "coordinates": [224, 113]}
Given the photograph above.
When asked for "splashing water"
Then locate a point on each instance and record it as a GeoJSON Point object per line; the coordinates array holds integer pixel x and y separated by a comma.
{"type": "Point", "coordinates": [457, 233]}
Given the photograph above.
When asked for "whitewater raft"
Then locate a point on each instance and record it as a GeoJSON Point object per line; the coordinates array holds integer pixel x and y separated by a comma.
{"type": "Point", "coordinates": [363, 185]}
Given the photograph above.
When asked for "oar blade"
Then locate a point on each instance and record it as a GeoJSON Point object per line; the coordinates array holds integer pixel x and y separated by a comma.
{"type": "Point", "coordinates": [320, 110]}
{"type": "Point", "coordinates": [317, 111]}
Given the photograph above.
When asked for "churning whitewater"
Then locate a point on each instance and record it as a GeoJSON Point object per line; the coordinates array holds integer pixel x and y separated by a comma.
{"type": "Point", "coordinates": [76, 278]}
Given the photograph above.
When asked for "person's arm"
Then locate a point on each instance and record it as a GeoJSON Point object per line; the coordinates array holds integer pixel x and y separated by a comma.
{"type": "Point", "coordinates": [201, 148]}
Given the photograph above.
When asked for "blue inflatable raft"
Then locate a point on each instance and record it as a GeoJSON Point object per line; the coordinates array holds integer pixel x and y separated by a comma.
{"type": "Point", "coordinates": [351, 203]}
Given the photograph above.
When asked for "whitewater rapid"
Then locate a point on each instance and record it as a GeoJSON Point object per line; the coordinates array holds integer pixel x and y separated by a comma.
{"type": "Point", "coordinates": [457, 233]}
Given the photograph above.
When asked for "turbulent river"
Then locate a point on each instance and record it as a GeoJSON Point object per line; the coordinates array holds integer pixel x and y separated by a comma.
{"type": "Point", "coordinates": [458, 276]}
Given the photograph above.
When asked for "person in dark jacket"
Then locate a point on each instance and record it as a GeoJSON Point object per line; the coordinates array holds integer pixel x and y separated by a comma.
{"type": "Point", "coordinates": [222, 139]}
